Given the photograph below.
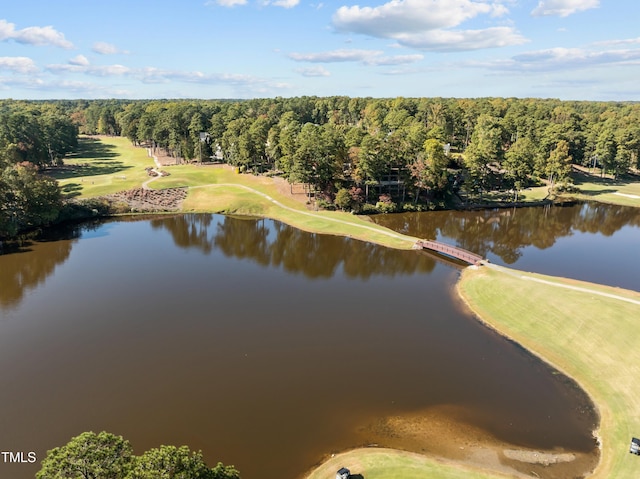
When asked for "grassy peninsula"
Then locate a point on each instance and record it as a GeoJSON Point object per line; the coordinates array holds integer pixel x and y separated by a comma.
{"type": "Point", "coordinates": [587, 331]}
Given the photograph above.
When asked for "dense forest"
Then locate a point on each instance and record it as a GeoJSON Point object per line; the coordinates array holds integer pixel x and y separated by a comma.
{"type": "Point", "coordinates": [32, 137]}
{"type": "Point", "coordinates": [354, 153]}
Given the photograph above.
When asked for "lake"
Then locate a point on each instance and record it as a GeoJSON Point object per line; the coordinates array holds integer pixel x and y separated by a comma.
{"type": "Point", "coordinates": [264, 346]}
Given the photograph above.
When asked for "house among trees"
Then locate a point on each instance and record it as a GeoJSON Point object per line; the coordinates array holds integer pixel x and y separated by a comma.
{"type": "Point", "coordinates": [634, 449]}
{"type": "Point", "coordinates": [343, 473]}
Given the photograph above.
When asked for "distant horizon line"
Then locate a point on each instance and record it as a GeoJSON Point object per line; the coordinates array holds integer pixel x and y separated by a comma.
{"type": "Point", "coordinates": [314, 96]}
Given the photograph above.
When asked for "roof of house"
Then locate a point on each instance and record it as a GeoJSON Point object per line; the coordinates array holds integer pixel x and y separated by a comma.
{"type": "Point", "coordinates": [343, 470]}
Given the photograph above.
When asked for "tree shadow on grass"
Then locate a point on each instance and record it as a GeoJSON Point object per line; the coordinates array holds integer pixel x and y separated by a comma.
{"type": "Point", "coordinates": [91, 148]}
{"type": "Point", "coordinates": [95, 168]}
{"type": "Point", "coordinates": [100, 160]}
{"type": "Point", "coordinates": [597, 192]}
{"type": "Point", "coordinates": [71, 190]}
{"type": "Point", "coordinates": [580, 177]}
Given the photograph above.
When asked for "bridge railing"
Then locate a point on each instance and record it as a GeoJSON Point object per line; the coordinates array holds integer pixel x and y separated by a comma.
{"type": "Point", "coordinates": [453, 251]}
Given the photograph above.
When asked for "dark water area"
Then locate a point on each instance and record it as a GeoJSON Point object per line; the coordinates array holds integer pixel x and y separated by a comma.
{"type": "Point", "coordinates": [590, 242]}
{"type": "Point", "coordinates": [264, 346]}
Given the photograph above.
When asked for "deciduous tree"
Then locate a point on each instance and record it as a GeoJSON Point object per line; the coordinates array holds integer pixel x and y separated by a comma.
{"type": "Point", "coordinates": [89, 456]}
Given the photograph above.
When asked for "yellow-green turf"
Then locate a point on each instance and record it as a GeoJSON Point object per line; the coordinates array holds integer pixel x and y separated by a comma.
{"type": "Point", "coordinates": [380, 463]}
{"type": "Point", "coordinates": [103, 165]}
{"type": "Point", "coordinates": [590, 332]}
{"type": "Point", "coordinates": [622, 191]}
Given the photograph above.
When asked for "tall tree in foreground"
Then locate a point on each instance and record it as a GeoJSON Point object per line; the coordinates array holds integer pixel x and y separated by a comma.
{"type": "Point", "coordinates": [89, 456]}
{"type": "Point", "coordinates": [107, 456]}
{"type": "Point", "coordinates": [170, 462]}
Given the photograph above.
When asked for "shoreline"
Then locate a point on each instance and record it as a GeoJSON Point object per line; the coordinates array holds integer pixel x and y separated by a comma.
{"type": "Point", "coordinates": [487, 457]}
{"type": "Point", "coordinates": [263, 199]}
{"type": "Point", "coordinates": [561, 354]}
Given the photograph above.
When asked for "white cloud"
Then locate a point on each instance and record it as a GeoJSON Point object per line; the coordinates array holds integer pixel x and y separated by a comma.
{"type": "Point", "coordinates": [402, 71]}
{"type": "Point", "coordinates": [366, 57]}
{"type": "Point", "coordinates": [94, 70]}
{"type": "Point", "coordinates": [38, 36]}
{"type": "Point", "coordinates": [29, 82]}
{"type": "Point", "coordinates": [394, 60]}
{"type": "Point", "coordinates": [234, 3]}
{"type": "Point", "coordinates": [406, 16]}
{"type": "Point", "coordinates": [569, 58]}
{"type": "Point", "coordinates": [336, 56]}
{"type": "Point", "coordinates": [226, 3]}
{"type": "Point", "coordinates": [21, 65]}
{"type": "Point", "coordinates": [153, 75]}
{"type": "Point", "coordinates": [563, 59]}
{"type": "Point", "coordinates": [283, 3]}
{"type": "Point", "coordinates": [64, 87]}
{"type": "Point", "coordinates": [104, 48]}
{"type": "Point", "coordinates": [313, 72]}
{"type": "Point", "coordinates": [428, 25]}
{"type": "Point", "coordinates": [7, 30]}
{"type": "Point", "coordinates": [79, 60]}
{"type": "Point", "coordinates": [626, 41]}
{"type": "Point", "coordinates": [462, 40]}
{"type": "Point", "coordinates": [563, 8]}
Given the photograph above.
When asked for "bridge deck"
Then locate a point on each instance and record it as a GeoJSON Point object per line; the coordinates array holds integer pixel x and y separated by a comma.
{"type": "Point", "coordinates": [453, 251]}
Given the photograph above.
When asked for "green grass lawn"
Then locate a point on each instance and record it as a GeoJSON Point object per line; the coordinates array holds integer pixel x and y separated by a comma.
{"type": "Point", "coordinates": [621, 191]}
{"type": "Point", "coordinates": [103, 165]}
{"type": "Point", "coordinates": [594, 339]}
{"type": "Point", "coordinates": [374, 463]}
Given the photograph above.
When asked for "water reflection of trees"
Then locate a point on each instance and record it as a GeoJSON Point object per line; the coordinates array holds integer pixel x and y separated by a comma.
{"type": "Point", "coordinates": [29, 262]}
{"type": "Point", "coordinates": [188, 231]}
{"type": "Point", "coordinates": [505, 232]}
{"type": "Point", "coordinates": [270, 243]}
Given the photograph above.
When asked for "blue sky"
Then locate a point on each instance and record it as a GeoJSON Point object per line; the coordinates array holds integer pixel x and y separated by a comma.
{"type": "Point", "coordinates": [567, 49]}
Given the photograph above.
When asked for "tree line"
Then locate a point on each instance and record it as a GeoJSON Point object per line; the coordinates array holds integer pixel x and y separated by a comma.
{"type": "Point", "coordinates": [409, 148]}
{"type": "Point", "coordinates": [33, 136]}
{"type": "Point", "coordinates": [359, 154]}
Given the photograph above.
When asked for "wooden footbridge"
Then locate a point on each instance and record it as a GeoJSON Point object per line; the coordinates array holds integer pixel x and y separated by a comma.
{"type": "Point", "coordinates": [448, 250]}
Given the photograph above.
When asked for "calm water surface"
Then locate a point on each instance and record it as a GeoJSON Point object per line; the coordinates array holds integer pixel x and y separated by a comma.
{"type": "Point", "coordinates": [264, 346]}
{"type": "Point", "coordinates": [591, 242]}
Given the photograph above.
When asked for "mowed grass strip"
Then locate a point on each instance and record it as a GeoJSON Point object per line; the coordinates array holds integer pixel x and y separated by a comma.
{"type": "Point", "coordinates": [623, 191]}
{"type": "Point", "coordinates": [103, 165]}
{"type": "Point", "coordinates": [236, 199]}
{"type": "Point", "coordinates": [593, 338]}
{"type": "Point", "coordinates": [380, 463]}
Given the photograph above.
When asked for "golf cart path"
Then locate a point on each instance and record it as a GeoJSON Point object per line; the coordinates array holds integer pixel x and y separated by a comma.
{"type": "Point", "coordinates": [560, 285]}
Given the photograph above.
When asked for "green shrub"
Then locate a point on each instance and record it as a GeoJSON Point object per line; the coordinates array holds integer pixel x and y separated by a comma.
{"type": "Point", "coordinates": [343, 200]}
{"type": "Point", "coordinates": [368, 209]}
{"type": "Point", "coordinates": [326, 205]}
{"type": "Point", "coordinates": [386, 207]}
